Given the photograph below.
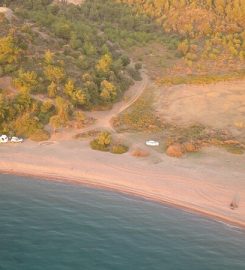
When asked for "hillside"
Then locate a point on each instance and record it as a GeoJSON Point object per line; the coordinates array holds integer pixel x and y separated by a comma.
{"type": "Point", "coordinates": [53, 68]}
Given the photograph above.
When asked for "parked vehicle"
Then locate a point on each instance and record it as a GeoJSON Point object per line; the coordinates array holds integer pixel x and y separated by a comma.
{"type": "Point", "coordinates": [16, 140]}
{"type": "Point", "coordinates": [152, 143]}
{"type": "Point", "coordinates": [4, 139]}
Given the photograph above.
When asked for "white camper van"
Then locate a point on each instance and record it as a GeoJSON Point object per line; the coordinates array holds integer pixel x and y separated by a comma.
{"type": "Point", "coordinates": [152, 143]}
{"type": "Point", "coordinates": [16, 140]}
{"type": "Point", "coordinates": [4, 139]}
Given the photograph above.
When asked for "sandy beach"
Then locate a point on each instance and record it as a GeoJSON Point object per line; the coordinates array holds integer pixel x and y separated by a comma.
{"type": "Point", "coordinates": [205, 184]}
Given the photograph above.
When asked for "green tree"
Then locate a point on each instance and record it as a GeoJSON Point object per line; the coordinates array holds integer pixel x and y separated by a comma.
{"type": "Point", "coordinates": [26, 81]}
{"type": "Point", "coordinates": [108, 91]}
{"type": "Point", "coordinates": [52, 90]}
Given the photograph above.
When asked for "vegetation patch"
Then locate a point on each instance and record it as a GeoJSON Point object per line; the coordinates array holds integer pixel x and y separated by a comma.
{"type": "Point", "coordinates": [104, 142]}
{"type": "Point", "coordinates": [201, 79]}
{"type": "Point", "coordinates": [119, 149]}
{"type": "Point", "coordinates": [88, 134]}
{"type": "Point", "coordinates": [237, 149]}
{"type": "Point", "coordinates": [181, 140]}
{"type": "Point", "coordinates": [139, 117]}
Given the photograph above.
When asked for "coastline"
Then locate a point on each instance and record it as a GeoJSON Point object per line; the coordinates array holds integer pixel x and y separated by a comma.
{"type": "Point", "coordinates": [176, 190]}
{"type": "Point", "coordinates": [131, 193]}
{"type": "Point", "coordinates": [203, 184]}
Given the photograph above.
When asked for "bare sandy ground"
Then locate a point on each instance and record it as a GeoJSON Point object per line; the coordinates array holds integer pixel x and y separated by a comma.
{"type": "Point", "coordinates": [76, 2]}
{"type": "Point", "coordinates": [205, 184]}
{"type": "Point", "coordinates": [7, 12]}
{"type": "Point", "coordinates": [220, 105]}
{"type": "Point", "coordinates": [6, 84]}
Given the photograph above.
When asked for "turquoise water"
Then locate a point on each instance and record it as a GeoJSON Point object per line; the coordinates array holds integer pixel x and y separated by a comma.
{"type": "Point", "coordinates": [56, 226]}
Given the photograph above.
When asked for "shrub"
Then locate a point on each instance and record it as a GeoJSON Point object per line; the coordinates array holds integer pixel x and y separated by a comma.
{"type": "Point", "coordinates": [104, 138]}
{"type": "Point", "coordinates": [234, 149]}
{"type": "Point", "coordinates": [190, 147]}
{"type": "Point", "coordinates": [138, 66]}
{"type": "Point", "coordinates": [119, 149]}
{"type": "Point", "coordinates": [135, 74]}
{"type": "Point", "coordinates": [62, 30]}
{"type": "Point", "coordinates": [175, 150]}
{"type": "Point", "coordinates": [125, 60]}
{"type": "Point", "coordinates": [102, 142]}
{"type": "Point", "coordinates": [96, 146]}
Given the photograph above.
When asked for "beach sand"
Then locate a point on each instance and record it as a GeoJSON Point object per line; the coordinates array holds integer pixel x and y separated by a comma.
{"type": "Point", "coordinates": [206, 183]}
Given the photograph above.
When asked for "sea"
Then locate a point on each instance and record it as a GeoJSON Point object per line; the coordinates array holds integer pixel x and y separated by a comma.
{"type": "Point", "coordinates": [49, 225]}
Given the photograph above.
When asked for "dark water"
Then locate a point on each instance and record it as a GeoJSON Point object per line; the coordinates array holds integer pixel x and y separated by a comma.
{"type": "Point", "coordinates": [48, 226]}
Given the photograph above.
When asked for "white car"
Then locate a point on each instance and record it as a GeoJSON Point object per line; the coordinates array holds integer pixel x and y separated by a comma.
{"type": "Point", "coordinates": [152, 143]}
{"type": "Point", "coordinates": [4, 139]}
{"type": "Point", "coordinates": [16, 140]}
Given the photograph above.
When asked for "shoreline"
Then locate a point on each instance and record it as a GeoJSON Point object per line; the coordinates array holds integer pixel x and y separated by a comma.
{"type": "Point", "coordinates": [97, 184]}
{"type": "Point", "coordinates": [204, 184]}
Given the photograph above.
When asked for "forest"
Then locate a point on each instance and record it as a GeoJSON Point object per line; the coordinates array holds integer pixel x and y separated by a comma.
{"type": "Point", "coordinates": [209, 31]}
{"type": "Point", "coordinates": [62, 64]}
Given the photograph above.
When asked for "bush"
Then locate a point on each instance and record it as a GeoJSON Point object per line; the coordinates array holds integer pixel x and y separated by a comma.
{"type": "Point", "coordinates": [175, 150]}
{"type": "Point", "coordinates": [190, 147]}
{"type": "Point", "coordinates": [62, 30]}
{"type": "Point", "coordinates": [102, 142]}
{"type": "Point", "coordinates": [119, 149]}
{"type": "Point", "coordinates": [138, 66]}
{"type": "Point", "coordinates": [135, 74]}
{"type": "Point", "coordinates": [9, 68]}
{"type": "Point", "coordinates": [96, 146]}
{"type": "Point", "coordinates": [234, 149]}
{"type": "Point", "coordinates": [125, 60]}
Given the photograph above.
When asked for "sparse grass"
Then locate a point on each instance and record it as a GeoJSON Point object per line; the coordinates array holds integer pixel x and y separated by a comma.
{"type": "Point", "coordinates": [87, 134]}
{"type": "Point", "coordinates": [139, 117]}
{"type": "Point", "coordinates": [192, 139]}
{"type": "Point", "coordinates": [235, 149]}
{"type": "Point", "coordinates": [177, 134]}
{"type": "Point", "coordinates": [156, 56]}
{"type": "Point", "coordinates": [201, 79]}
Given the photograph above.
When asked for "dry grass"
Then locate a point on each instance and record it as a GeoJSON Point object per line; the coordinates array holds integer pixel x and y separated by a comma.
{"type": "Point", "coordinates": [155, 56]}
{"type": "Point", "coordinates": [201, 79]}
{"type": "Point", "coordinates": [87, 134]}
{"type": "Point", "coordinates": [139, 117]}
